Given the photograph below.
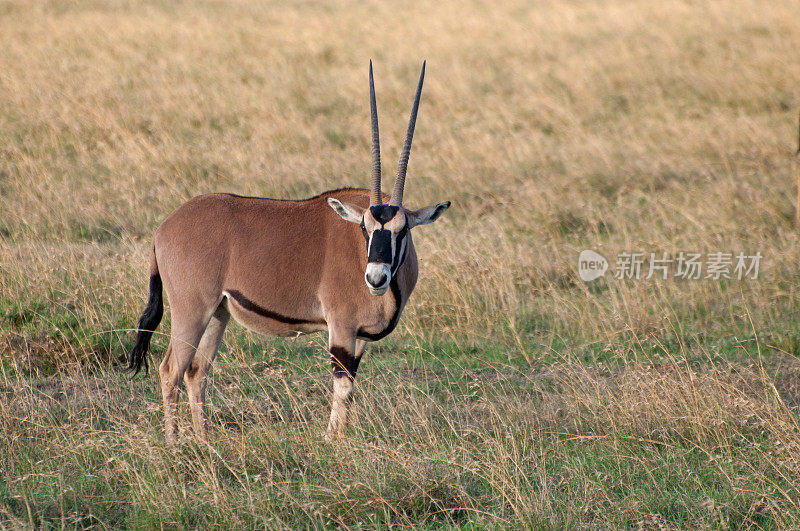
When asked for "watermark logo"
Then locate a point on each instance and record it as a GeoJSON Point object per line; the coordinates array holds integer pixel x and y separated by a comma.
{"type": "Point", "coordinates": [684, 265]}
{"type": "Point", "coordinates": [591, 265]}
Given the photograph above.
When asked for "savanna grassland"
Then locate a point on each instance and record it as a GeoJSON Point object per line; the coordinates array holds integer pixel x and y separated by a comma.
{"type": "Point", "coordinates": [512, 393]}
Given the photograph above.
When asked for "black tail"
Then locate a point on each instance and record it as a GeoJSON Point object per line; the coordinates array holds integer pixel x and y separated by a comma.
{"type": "Point", "coordinates": [148, 322]}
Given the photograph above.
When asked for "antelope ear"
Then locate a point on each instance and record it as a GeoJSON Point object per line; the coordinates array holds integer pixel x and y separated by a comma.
{"type": "Point", "coordinates": [348, 212]}
{"type": "Point", "coordinates": [427, 214]}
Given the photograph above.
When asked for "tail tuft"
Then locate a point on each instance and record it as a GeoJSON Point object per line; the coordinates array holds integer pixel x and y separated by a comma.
{"type": "Point", "coordinates": [148, 322]}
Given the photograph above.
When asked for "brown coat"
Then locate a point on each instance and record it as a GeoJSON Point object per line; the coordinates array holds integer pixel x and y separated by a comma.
{"type": "Point", "coordinates": [284, 267]}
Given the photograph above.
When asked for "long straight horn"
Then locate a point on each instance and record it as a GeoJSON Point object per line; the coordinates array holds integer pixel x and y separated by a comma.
{"type": "Point", "coordinates": [400, 180]}
{"type": "Point", "coordinates": [375, 196]}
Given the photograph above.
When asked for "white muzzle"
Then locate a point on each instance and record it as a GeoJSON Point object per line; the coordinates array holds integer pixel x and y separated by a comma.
{"type": "Point", "coordinates": [377, 278]}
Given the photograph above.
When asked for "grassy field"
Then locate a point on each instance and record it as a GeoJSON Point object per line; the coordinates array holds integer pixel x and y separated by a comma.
{"type": "Point", "coordinates": [512, 392]}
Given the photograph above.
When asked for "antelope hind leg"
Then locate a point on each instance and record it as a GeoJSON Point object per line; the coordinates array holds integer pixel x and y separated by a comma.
{"type": "Point", "coordinates": [196, 375]}
{"type": "Point", "coordinates": [182, 347]}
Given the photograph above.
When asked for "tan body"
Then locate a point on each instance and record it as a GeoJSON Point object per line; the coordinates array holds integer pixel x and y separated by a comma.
{"type": "Point", "coordinates": [278, 267]}
{"type": "Point", "coordinates": [342, 261]}
{"type": "Point", "coordinates": [276, 254]}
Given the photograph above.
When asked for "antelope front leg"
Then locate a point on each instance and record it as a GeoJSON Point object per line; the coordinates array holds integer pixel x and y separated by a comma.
{"type": "Point", "coordinates": [345, 356]}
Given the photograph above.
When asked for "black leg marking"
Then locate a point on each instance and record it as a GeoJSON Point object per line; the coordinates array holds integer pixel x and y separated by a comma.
{"type": "Point", "coordinates": [343, 363]}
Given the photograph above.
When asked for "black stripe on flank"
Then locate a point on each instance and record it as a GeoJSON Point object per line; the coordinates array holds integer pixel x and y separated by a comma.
{"type": "Point", "coordinates": [392, 322]}
{"type": "Point", "coordinates": [249, 305]}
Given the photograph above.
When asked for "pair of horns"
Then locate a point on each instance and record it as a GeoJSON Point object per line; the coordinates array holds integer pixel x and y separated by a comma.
{"type": "Point", "coordinates": [375, 197]}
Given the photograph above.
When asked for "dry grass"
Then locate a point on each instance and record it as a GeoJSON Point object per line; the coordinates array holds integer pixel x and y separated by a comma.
{"type": "Point", "coordinates": [663, 444]}
{"type": "Point", "coordinates": [512, 391]}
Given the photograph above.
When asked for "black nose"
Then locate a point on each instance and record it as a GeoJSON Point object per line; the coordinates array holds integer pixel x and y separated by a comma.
{"type": "Point", "coordinates": [377, 282]}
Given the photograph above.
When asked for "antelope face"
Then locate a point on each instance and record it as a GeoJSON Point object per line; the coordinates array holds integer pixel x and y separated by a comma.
{"type": "Point", "coordinates": [385, 229]}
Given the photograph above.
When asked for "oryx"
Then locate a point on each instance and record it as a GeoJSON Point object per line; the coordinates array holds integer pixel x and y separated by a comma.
{"type": "Point", "coordinates": [282, 267]}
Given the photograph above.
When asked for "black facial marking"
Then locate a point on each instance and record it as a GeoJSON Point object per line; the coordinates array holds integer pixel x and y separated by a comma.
{"type": "Point", "coordinates": [398, 259]}
{"type": "Point", "coordinates": [380, 250]}
{"type": "Point", "coordinates": [383, 213]}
